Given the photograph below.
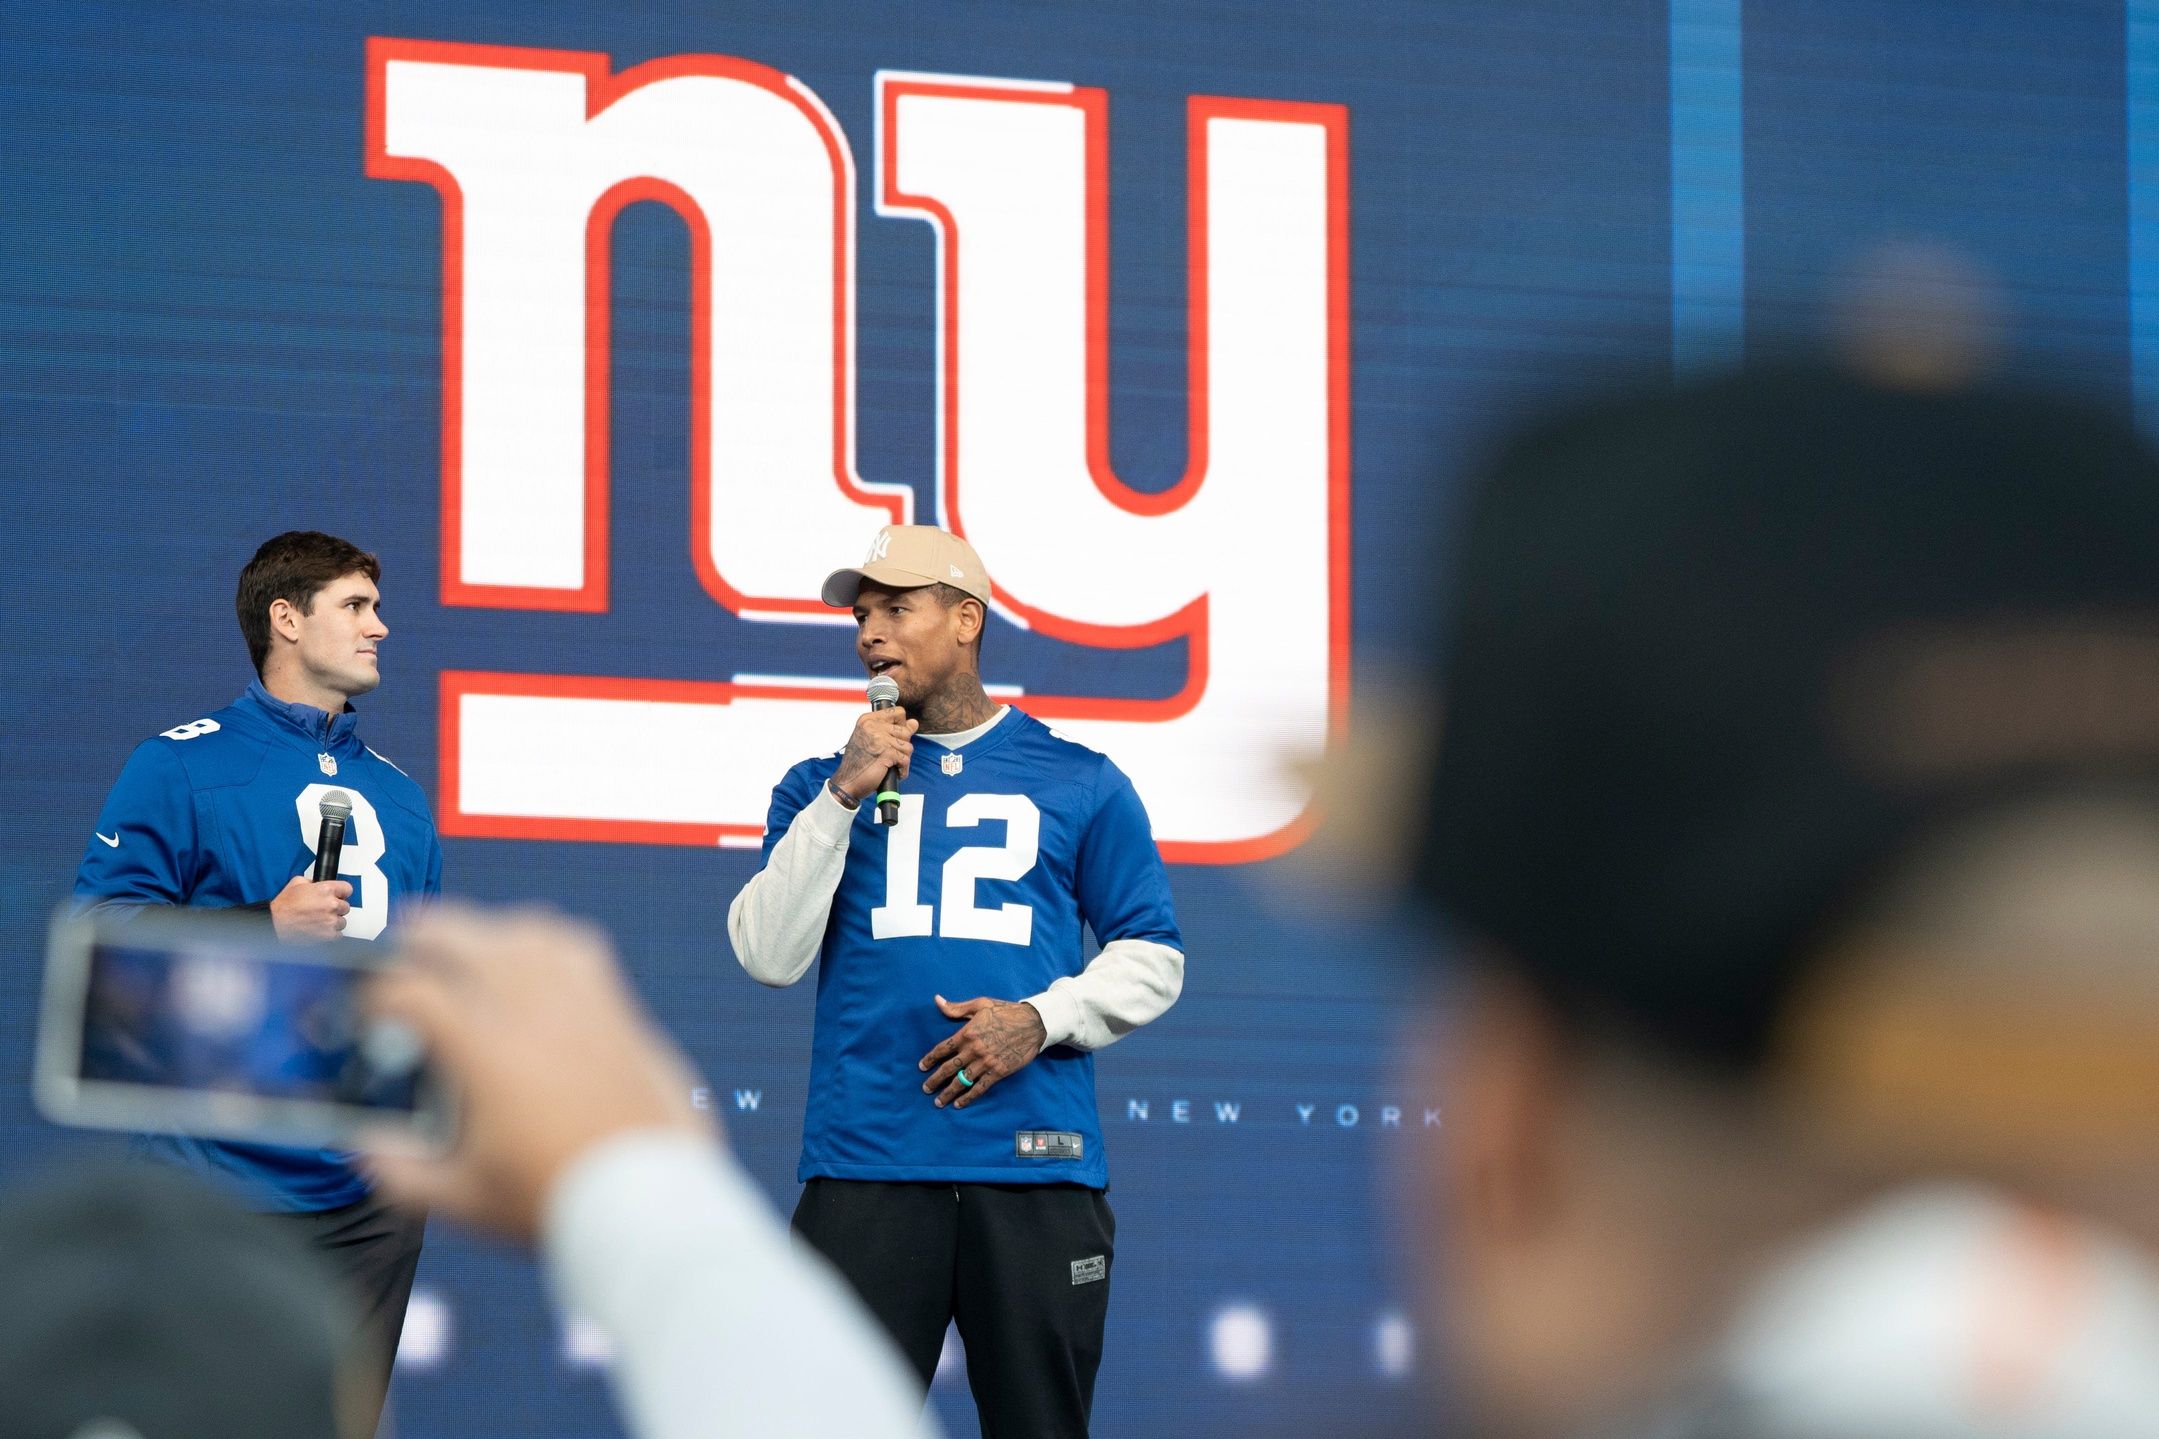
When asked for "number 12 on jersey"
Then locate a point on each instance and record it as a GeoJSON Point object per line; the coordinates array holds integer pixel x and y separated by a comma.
{"type": "Point", "coordinates": [903, 915]}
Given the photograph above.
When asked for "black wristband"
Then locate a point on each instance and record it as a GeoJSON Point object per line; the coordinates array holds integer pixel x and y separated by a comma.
{"type": "Point", "coordinates": [833, 785]}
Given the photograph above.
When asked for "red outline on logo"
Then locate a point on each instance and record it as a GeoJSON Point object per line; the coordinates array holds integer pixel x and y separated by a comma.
{"type": "Point", "coordinates": [453, 819]}
{"type": "Point", "coordinates": [1191, 622]}
{"type": "Point", "coordinates": [602, 90]}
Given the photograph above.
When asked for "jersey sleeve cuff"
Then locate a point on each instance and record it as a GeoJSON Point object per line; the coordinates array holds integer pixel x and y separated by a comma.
{"type": "Point", "coordinates": [1060, 1016]}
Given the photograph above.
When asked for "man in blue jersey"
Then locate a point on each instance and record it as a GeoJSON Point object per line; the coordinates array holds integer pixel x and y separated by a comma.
{"type": "Point", "coordinates": [224, 812]}
{"type": "Point", "coordinates": [952, 1160]}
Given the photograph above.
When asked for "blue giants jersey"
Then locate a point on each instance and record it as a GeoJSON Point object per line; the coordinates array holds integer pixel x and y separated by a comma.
{"type": "Point", "coordinates": [221, 813]}
{"type": "Point", "coordinates": [1006, 851]}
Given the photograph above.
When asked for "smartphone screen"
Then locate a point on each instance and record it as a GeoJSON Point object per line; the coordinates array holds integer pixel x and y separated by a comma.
{"type": "Point", "coordinates": [184, 1022]}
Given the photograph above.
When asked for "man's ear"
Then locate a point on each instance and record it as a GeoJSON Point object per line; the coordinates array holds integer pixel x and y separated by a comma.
{"type": "Point", "coordinates": [972, 618]}
{"type": "Point", "coordinates": [284, 618]}
{"type": "Point", "coordinates": [1503, 1081]}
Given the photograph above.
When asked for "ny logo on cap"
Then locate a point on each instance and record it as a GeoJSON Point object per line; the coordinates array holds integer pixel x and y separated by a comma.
{"type": "Point", "coordinates": [879, 549]}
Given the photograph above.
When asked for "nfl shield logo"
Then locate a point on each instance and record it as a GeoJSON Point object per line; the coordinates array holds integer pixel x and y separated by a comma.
{"type": "Point", "coordinates": [950, 763]}
{"type": "Point", "coordinates": [1026, 1143]}
{"type": "Point", "coordinates": [329, 765]}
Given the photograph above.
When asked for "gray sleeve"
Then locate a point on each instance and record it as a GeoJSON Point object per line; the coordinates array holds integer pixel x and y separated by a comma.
{"type": "Point", "coordinates": [1130, 983]}
{"type": "Point", "coordinates": [777, 922]}
{"type": "Point", "coordinates": [720, 1324]}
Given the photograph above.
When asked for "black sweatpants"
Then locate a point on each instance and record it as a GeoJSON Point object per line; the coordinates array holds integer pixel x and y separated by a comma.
{"type": "Point", "coordinates": [1023, 1268]}
{"type": "Point", "coordinates": [374, 1250]}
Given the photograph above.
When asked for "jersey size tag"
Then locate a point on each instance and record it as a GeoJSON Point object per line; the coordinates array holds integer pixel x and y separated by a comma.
{"type": "Point", "coordinates": [1048, 1144]}
{"type": "Point", "coordinates": [1090, 1271]}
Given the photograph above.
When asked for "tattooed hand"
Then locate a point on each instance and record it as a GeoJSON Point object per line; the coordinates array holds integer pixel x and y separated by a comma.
{"type": "Point", "coordinates": [999, 1038]}
{"type": "Point", "coordinates": [883, 739]}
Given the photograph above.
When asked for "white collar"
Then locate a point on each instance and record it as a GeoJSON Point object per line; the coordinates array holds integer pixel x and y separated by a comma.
{"type": "Point", "coordinates": [969, 736]}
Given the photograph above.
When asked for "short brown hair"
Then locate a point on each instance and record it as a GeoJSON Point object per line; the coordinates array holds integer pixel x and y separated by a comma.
{"type": "Point", "coordinates": [293, 567]}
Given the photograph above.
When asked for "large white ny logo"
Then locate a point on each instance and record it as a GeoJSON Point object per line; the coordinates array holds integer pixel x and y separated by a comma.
{"type": "Point", "coordinates": [536, 151]}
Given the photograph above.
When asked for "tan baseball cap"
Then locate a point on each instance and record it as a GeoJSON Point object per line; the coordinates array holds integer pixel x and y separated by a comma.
{"type": "Point", "coordinates": [907, 557]}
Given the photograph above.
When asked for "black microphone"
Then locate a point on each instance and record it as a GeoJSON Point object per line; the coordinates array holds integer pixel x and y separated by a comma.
{"type": "Point", "coordinates": [884, 693]}
{"type": "Point", "coordinates": [330, 844]}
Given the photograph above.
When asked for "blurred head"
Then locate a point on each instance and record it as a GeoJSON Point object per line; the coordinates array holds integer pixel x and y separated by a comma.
{"type": "Point", "coordinates": [310, 610]}
{"type": "Point", "coordinates": [132, 1300]}
{"type": "Point", "coordinates": [1794, 728]}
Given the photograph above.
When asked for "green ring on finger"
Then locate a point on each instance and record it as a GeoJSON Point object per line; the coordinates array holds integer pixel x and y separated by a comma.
{"type": "Point", "coordinates": [965, 1082]}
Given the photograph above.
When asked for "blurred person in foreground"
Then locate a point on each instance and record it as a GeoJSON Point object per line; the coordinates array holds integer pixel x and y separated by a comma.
{"type": "Point", "coordinates": [576, 1134]}
{"type": "Point", "coordinates": [1797, 805]}
{"type": "Point", "coordinates": [138, 1303]}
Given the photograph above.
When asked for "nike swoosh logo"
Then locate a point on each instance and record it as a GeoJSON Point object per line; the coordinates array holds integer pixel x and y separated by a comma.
{"type": "Point", "coordinates": [114, 841]}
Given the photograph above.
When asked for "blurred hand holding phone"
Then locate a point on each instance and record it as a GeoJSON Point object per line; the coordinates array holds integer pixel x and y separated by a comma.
{"type": "Point", "coordinates": [528, 1017]}
{"type": "Point", "coordinates": [205, 1023]}
{"type": "Point", "coordinates": [513, 1028]}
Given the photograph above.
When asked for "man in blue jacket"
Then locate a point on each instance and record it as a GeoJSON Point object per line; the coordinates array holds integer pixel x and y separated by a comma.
{"type": "Point", "coordinates": [223, 812]}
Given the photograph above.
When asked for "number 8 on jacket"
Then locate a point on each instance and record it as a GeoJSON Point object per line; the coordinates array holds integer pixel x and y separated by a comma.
{"type": "Point", "coordinates": [360, 861]}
